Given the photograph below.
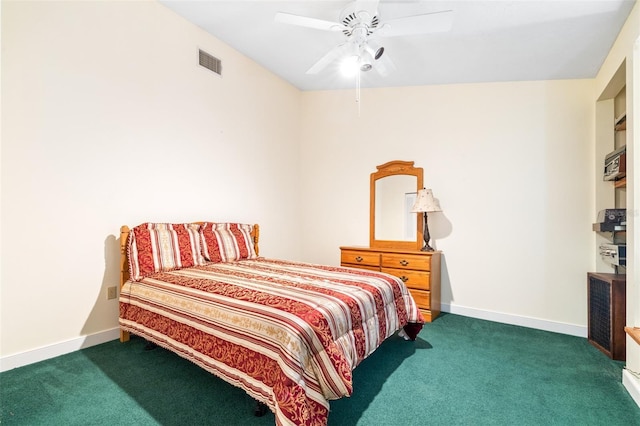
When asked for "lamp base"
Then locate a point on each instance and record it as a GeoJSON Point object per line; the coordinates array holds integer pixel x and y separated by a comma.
{"type": "Point", "coordinates": [426, 237]}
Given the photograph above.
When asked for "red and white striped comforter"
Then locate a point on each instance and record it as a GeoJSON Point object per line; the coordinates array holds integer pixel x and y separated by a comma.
{"type": "Point", "coordinates": [287, 333]}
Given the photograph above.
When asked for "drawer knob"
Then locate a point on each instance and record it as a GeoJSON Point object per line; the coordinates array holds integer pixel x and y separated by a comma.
{"type": "Point", "coordinates": [359, 259]}
{"type": "Point", "coordinates": [404, 262]}
{"type": "Point", "coordinates": [404, 279]}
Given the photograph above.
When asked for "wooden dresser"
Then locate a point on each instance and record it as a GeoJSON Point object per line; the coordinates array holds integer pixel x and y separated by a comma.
{"type": "Point", "coordinates": [420, 271]}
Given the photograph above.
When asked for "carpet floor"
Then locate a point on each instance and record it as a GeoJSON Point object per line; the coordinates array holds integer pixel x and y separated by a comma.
{"type": "Point", "coordinates": [460, 371]}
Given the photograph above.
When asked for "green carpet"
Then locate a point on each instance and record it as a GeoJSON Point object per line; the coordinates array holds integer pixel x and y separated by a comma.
{"type": "Point", "coordinates": [460, 371]}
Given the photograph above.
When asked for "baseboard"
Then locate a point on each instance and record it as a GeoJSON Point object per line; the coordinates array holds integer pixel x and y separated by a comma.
{"type": "Point", "coordinates": [539, 324]}
{"type": "Point", "coordinates": [51, 351]}
{"type": "Point", "coordinates": [632, 384]}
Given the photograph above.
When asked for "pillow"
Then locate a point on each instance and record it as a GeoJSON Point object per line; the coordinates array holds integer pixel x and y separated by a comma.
{"type": "Point", "coordinates": [227, 242]}
{"type": "Point", "coordinates": [159, 247]}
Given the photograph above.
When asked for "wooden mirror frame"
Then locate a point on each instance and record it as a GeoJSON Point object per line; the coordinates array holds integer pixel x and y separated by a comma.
{"type": "Point", "coordinates": [393, 168]}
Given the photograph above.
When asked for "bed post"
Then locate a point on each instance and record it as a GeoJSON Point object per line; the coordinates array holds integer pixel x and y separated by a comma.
{"type": "Point", "coordinates": [124, 269]}
{"type": "Point", "coordinates": [256, 235]}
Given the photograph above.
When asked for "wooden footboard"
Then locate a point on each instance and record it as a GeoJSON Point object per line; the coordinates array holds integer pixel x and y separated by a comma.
{"type": "Point", "coordinates": [124, 260]}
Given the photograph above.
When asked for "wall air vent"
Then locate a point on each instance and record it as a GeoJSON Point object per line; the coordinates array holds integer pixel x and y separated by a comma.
{"type": "Point", "coordinates": [210, 62]}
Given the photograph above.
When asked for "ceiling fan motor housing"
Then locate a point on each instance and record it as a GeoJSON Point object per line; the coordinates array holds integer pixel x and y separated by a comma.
{"type": "Point", "coordinates": [359, 25]}
{"type": "Point", "coordinates": [352, 18]}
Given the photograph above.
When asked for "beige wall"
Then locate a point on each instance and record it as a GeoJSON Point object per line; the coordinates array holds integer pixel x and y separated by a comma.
{"type": "Point", "coordinates": [512, 166]}
{"type": "Point", "coordinates": [107, 119]}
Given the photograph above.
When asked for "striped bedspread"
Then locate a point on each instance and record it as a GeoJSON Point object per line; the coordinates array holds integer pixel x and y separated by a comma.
{"type": "Point", "coordinates": [287, 333]}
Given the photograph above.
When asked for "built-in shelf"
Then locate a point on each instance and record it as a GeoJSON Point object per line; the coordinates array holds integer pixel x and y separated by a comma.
{"type": "Point", "coordinates": [621, 183]}
{"type": "Point", "coordinates": [634, 332]}
{"type": "Point", "coordinates": [621, 122]}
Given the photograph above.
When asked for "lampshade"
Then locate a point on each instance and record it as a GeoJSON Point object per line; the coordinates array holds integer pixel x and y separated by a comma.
{"type": "Point", "coordinates": [425, 202]}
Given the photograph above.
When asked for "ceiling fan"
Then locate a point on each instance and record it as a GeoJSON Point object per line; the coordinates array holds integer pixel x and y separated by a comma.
{"type": "Point", "coordinates": [363, 28]}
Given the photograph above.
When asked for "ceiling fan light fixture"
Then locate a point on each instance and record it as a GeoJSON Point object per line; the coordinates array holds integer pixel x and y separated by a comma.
{"type": "Point", "coordinates": [368, 55]}
{"type": "Point", "coordinates": [373, 49]}
{"type": "Point", "coordinates": [350, 66]}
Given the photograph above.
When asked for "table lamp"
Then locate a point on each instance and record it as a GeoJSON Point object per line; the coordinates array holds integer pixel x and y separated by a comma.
{"type": "Point", "coordinates": [425, 203]}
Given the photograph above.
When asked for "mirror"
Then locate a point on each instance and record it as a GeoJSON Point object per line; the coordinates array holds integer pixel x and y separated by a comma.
{"type": "Point", "coordinates": [395, 195]}
{"type": "Point", "coordinates": [393, 192]}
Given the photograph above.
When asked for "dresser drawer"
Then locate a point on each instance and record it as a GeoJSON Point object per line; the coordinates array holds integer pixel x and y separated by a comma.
{"type": "Point", "coordinates": [422, 298]}
{"type": "Point", "coordinates": [419, 270]}
{"type": "Point", "coordinates": [357, 258]}
{"type": "Point", "coordinates": [412, 279]}
{"type": "Point", "coordinates": [406, 261]}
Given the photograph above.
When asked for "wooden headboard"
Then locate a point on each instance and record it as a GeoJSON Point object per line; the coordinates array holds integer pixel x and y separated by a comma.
{"type": "Point", "coordinates": [124, 259]}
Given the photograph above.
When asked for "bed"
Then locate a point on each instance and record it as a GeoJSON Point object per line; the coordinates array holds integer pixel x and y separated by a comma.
{"type": "Point", "coordinates": [288, 333]}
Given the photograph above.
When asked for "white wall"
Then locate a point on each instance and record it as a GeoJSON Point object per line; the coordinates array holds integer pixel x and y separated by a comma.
{"type": "Point", "coordinates": [107, 119]}
{"type": "Point", "coordinates": [512, 166]}
{"type": "Point", "coordinates": [627, 50]}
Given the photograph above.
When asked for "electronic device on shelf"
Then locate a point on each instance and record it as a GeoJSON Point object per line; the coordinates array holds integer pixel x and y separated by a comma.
{"type": "Point", "coordinates": [611, 220]}
{"type": "Point", "coordinates": [614, 254]}
{"type": "Point", "coordinates": [615, 164]}
{"type": "Point", "coordinates": [615, 216]}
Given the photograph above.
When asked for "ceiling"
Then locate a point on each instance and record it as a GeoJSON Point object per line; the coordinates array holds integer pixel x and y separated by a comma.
{"type": "Point", "coordinates": [489, 40]}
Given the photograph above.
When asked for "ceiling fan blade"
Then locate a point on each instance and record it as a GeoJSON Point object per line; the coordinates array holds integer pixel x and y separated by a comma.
{"type": "Point", "coordinates": [427, 23]}
{"type": "Point", "coordinates": [304, 21]}
{"type": "Point", "coordinates": [337, 52]}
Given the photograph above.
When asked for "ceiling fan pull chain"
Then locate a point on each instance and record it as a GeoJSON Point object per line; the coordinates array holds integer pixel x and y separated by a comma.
{"type": "Point", "coordinates": [358, 90]}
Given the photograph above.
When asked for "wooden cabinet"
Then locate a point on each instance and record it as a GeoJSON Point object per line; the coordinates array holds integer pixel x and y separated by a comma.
{"type": "Point", "coordinates": [607, 313]}
{"type": "Point", "coordinates": [419, 270]}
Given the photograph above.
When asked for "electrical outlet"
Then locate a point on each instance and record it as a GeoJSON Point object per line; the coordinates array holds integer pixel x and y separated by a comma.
{"type": "Point", "coordinates": [112, 292]}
